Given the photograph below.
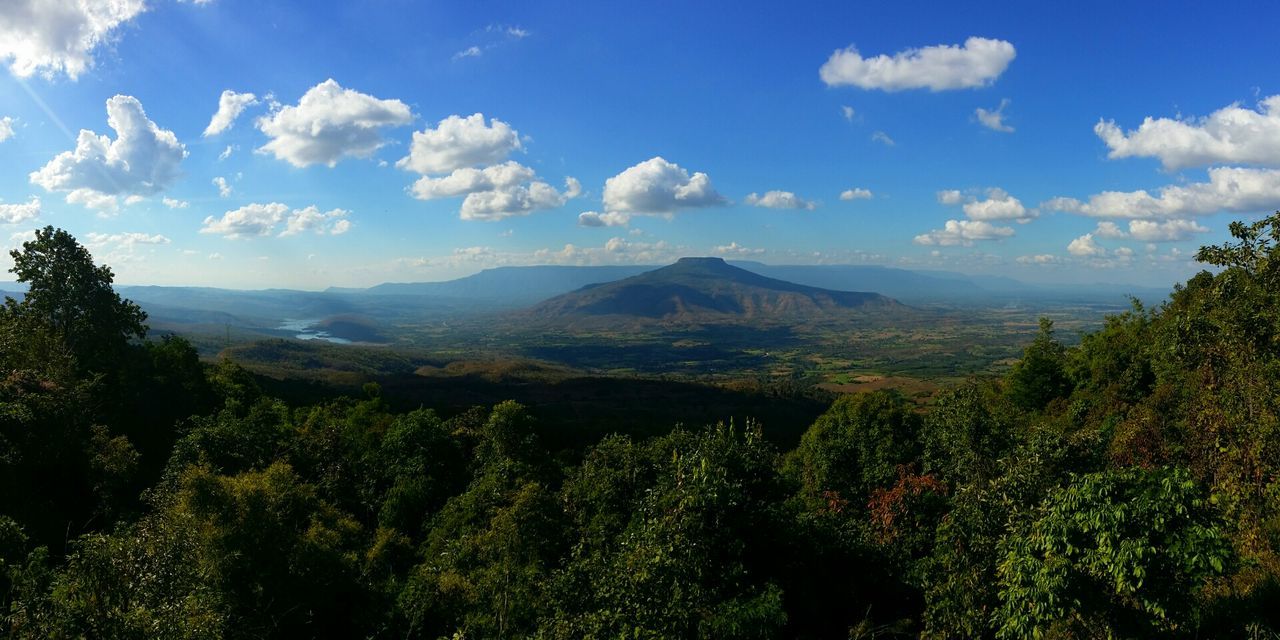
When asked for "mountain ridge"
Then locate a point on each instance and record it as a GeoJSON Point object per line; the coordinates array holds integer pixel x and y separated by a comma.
{"type": "Point", "coordinates": [702, 290]}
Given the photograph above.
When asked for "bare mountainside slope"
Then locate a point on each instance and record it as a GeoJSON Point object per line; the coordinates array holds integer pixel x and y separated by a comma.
{"type": "Point", "coordinates": [706, 290]}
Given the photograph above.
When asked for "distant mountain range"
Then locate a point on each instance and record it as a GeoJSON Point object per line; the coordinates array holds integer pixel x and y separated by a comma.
{"type": "Point", "coordinates": [516, 286]}
{"type": "Point", "coordinates": [504, 289]}
{"type": "Point", "coordinates": [522, 286]}
{"type": "Point", "coordinates": [699, 290]}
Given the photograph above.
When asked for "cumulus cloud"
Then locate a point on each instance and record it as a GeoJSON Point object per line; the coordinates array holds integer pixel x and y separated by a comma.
{"type": "Point", "coordinates": [656, 186]}
{"type": "Point", "coordinates": [143, 159]}
{"type": "Point", "coordinates": [1108, 229]}
{"type": "Point", "coordinates": [18, 213]}
{"type": "Point", "coordinates": [230, 106]}
{"type": "Point", "coordinates": [332, 222]}
{"type": "Point", "coordinates": [976, 63]}
{"type": "Point", "coordinates": [224, 187]}
{"type": "Point", "coordinates": [963, 232]}
{"type": "Point", "coordinates": [780, 200]}
{"type": "Point", "coordinates": [6, 128]}
{"type": "Point", "coordinates": [330, 123]}
{"type": "Point", "coordinates": [470, 180]}
{"type": "Point", "coordinates": [856, 193]}
{"type": "Point", "coordinates": [458, 142]}
{"type": "Point", "coordinates": [47, 37]}
{"type": "Point", "coordinates": [174, 203]}
{"type": "Point", "coordinates": [517, 200]}
{"type": "Point", "coordinates": [1164, 231]}
{"type": "Point", "coordinates": [997, 206]}
{"type": "Point", "coordinates": [1229, 189]}
{"type": "Point", "coordinates": [1085, 247]}
{"type": "Point", "coordinates": [1233, 134]}
{"type": "Point", "coordinates": [456, 146]}
{"type": "Point", "coordinates": [262, 219]}
{"type": "Point", "coordinates": [736, 250]}
{"type": "Point", "coordinates": [606, 219]}
{"type": "Point", "coordinates": [994, 120]}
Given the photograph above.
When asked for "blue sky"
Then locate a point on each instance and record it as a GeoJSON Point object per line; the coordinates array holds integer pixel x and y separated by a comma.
{"type": "Point", "coordinates": [635, 133]}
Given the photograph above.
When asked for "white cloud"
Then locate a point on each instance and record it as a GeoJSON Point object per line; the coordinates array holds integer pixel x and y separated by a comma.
{"type": "Point", "coordinates": [17, 213]}
{"type": "Point", "coordinates": [1085, 247]}
{"type": "Point", "coordinates": [1232, 134]}
{"type": "Point", "coordinates": [1123, 252]}
{"type": "Point", "coordinates": [1109, 229]}
{"type": "Point", "coordinates": [963, 232]}
{"type": "Point", "coordinates": [780, 200]}
{"type": "Point", "coordinates": [143, 159]}
{"type": "Point", "coordinates": [459, 142]}
{"type": "Point", "coordinates": [230, 106]}
{"type": "Point", "coordinates": [883, 138]}
{"type": "Point", "coordinates": [1229, 189]}
{"type": "Point", "coordinates": [105, 204]}
{"type": "Point", "coordinates": [51, 36]}
{"type": "Point", "coordinates": [976, 63]}
{"type": "Point", "coordinates": [470, 52]}
{"type": "Point", "coordinates": [134, 199]}
{"type": "Point", "coordinates": [247, 221]}
{"type": "Point", "coordinates": [856, 193]}
{"type": "Point", "coordinates": [124, 240]}
{"type": "Point", "coordinates": [606, 219]}
{"type": "Point", "coordinates": [494, 192]}
{"type": "Point", "coordinates": [1164, 231]}
{"type": "Point", "coordinates": [6, 128]}
{"type": "Point", "coordinates": [656, 186]}
{"type": "Point", "coordinates": [847, 112]}
{"type": "Point", "coordinates": [1043, 258]}
{"type": "Point", "coordinates": [998, 206]}
{"type": "Point", "coordinates": [330, 123]}
{"type": "Point", "coordinates": [174, 203]}
{"type": "Point", "coordinates": [735, 249]}
{"type": "Point", "coordinates": [470, 180]}
{"type": "Point", "coordinates": [224, 188]}
{"type": "Point", "coordinates": [262, 219]}
{"type": "Point", "coordinates": [332, 222]}
{"type": "Point", "coordinates": [994, 120]}
{"type": "Point", "coordinates": [226, 153]}
{"type": "Point", "coordinates": [517, 200]}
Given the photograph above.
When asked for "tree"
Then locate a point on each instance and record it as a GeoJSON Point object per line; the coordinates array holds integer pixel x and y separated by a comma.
{"type": "Point", "coordinates": [1041, 375]}
{"type": "Point", "coordinates": [1115, 553]}
{"type": "Point", "coordinates": [74, 297]}
{"type": "Point", "coordinates": [856, 447]}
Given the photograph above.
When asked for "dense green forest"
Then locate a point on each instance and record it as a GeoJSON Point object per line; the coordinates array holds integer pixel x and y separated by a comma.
{"type": "Point", "coordinates": [1125, 487]}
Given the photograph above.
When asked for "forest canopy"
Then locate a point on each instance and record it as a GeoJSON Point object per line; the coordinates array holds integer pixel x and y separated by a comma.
{"type": "Point", "coordinates": [1125, 487]}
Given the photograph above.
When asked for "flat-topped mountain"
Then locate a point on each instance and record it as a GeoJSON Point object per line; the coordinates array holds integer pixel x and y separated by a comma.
{"type": "Point", "coordinates": [707, 290]}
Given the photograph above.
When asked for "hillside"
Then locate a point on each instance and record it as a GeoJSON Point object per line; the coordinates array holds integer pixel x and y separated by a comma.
{"type": "Point", "coordinates": [511, 285]}
{"type": "Point", "coordinates": [698, 290]}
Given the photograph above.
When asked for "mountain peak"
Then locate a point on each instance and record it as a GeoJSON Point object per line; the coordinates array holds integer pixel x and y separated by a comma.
{"type": "Point", "coordinates": [707, 289]}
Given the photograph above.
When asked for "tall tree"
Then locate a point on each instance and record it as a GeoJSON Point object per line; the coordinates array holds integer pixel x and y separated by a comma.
{"type": "Point", "coordinates": [66, 290]}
